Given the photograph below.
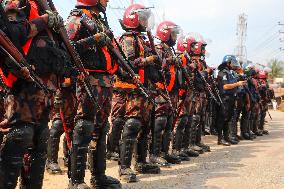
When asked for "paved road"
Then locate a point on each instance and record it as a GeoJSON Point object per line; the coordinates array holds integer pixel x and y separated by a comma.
{"type": "Point", "coordinates": [257, 164]}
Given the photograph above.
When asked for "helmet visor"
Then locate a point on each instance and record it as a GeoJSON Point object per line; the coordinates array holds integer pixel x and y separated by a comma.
{"type": "Point", "coordinates": [145, 17]}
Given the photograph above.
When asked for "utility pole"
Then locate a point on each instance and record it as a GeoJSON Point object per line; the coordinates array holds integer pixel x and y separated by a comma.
{"type": "Point", "coordinates": [241, 51]}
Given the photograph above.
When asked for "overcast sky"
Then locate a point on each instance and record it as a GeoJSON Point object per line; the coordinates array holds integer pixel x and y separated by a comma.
{"type": "Point", "coordinates": [215, 20]}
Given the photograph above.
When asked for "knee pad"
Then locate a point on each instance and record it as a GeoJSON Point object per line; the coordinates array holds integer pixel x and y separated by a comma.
{"type": "Point", "coordinates": [83, 132]}
{"type": "Point", "coordinates": [160, 123]}
{"type": "Point", "coordinates": [196, 118]}
{"type": "Point", "coordinates": [57, 129]}
{"type": "Point", "coordinates": [131, 128]}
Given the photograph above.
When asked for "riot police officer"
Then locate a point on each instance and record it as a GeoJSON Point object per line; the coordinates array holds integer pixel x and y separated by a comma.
{"type": "Point", "coordinates": [228, 85]}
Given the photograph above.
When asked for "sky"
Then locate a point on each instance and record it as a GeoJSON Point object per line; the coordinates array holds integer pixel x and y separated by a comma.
{"type": "Point", "coordinates": [216, 21]}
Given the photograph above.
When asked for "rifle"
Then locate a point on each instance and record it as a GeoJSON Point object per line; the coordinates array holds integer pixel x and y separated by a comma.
{"type": "Point", "coordinates": [121, 59]}
{"type": "Point", "coordinates": [167, 98]}
{"type": "Point", "coordinates": [269, 114]}
{"type": "Point", "coordinates": [72, 52]}
{"type": "Point", "coordinates": [14, 54]}
{"type": "Point", "coordinates": [216, 90]}
{"type": "Point", "coordinates": [207, 86]}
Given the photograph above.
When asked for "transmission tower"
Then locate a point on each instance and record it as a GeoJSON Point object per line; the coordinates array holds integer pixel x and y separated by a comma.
{"type": "Point", "coordinates": [241, 51]}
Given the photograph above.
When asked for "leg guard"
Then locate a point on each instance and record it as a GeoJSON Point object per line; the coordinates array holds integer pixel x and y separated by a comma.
{"type": "Point", "coordinates": [53, 147]}
{"type": "Point", "coordinates": [113, 139]}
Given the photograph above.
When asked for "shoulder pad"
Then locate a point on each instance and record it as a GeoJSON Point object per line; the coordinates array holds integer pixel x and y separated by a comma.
{"type": "Point", "coordinates": [128, 34]}
{"type": "Point", "coordinates": [76, 12]}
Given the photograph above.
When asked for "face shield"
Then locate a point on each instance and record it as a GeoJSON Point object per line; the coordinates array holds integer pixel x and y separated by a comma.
{"type": "Point", "coordinates": [235, 64]}
{"type": "Point", "coordinates": [146, 18]}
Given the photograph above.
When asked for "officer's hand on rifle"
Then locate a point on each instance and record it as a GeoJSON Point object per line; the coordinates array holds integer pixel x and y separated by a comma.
{"type": "Point", "coordinates": [102, 39]}
{"type": "Point", "coordinates": [136, 79]}
{"type": "Point", "coordinates": [54, 21]}
{"type": "Point", "coordinates": [25, 72]}
{"type": "Point", "coordinates": [151, 59]}
{"type": "Point", "coordinates": [82, 76]}
{"type": "Point", "coordinates": [174, 60]}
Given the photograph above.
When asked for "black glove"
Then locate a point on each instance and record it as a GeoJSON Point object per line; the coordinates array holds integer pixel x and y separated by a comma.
{"type": "Point", "coordinates": [55, 21]}
{"type": "Point", "coordinates": [102, 39]}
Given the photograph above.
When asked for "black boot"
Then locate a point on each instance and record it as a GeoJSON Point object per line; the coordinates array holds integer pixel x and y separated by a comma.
{"type": "Point", "coordinates": [52, 166]}
{"type": "Point", "coordinates": [245, 128]}
{"type": "Point", "coordinates": [65, 152]}
{"type": "Point", "coordinates": [186, 140]}
{"type": "Point", "coordinates": [181, 155]}
{"type": "Point", "coordinates": [78, 166]}
{"type": "Point", "coordinates": [56, 131]}
{"type": "Point", "coordinates": [155, 156]}
{"type": "Point", "coordinates": [171, 158]}
{"type": "Point", "coordinates": [223, 142]}
{"type": "Point", "coordinates": [166, 140]}
{"type": "Point", "coordinates": [232, 138]}
{"type": "Point", "coordinates": [126, 151]}
{"type": "Point", "coordinates": [141, 165]}
{"type": "Point", "coordinates": [193, 130]}
{"type": "Point", "coordinates": [113, 139]}
{"type": "Point", "coordinates": [97, 161]}
{"type": "Point", "coordinates": [10, 171]}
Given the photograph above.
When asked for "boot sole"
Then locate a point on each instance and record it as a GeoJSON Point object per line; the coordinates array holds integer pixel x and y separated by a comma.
{"type": "Point", "coordinates": [112, 186]}
{"type": "Point", "coordinates": [53, 172]}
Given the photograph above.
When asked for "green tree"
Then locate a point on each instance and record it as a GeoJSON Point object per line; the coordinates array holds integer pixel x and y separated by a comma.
{"type": "Point", "coordinates": [277, 68]}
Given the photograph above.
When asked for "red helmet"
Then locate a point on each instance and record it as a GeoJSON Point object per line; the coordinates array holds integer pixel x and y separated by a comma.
{"type": "Point", "coordinates": [262, 74]}
{"type": "Point", "coordinates": [136, 15]}
{"type": "Point", "coordinates": [166, 29]}
{"type": "Point", "coordinates": [86, 3]}
{"type": "Point", "coordinates": [198, 48]}
{"type": "Point", "coordinates": [185, 43]}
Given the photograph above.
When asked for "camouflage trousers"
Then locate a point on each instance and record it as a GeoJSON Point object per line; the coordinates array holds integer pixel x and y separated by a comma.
{"type": "Point", "coordinates": [90, 128]}
{"type": "Point", "coordinates": [137, 106]}
{"type": "Point", "coordinates": [64, 111]}
{"type": "Point", "coordinates": [118, 109]}
{"type": "Point", "coordinates": [27, 114]}
{"type": "Point", "coordinates": [187, 105]}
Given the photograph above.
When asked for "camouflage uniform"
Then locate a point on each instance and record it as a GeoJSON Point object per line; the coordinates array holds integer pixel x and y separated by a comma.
{"type": "Point", "coordinates": [138, 108]}
{"type": "Point", "coordinates": [256, 108]}
{"type": "Point", "coordinates": [27, 106]}
{"type": "Point", "coordinates": [64, 111]}
{"type": "Point", "coordinates": [91, 122]}
{"type": "Point", "coordinates": [187, 94]}
{"type": "Point", "coordinates": [117, 122]}
{"type": "Point", "coordinates": [264, 95]}
{"type": "Point", "coordinates": [200, 99]}
{"type": "Point", "coordinates": [162, 132]}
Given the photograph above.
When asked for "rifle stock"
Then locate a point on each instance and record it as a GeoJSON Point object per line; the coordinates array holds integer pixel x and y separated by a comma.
{"type": "Point", "coordinates": [8, 47]}
{"type": "Point", "coordinates": [121, 60]}
{"type": "Point", "coordinates": [72, 52]}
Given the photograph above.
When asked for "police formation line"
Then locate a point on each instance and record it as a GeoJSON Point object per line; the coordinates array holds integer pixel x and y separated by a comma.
{"type": "Point", "coordinates": [109, 96]}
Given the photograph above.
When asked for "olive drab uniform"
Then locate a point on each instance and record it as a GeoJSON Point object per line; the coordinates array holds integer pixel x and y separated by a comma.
{"type": "Point", "coordinates": [64, 111]}
{"type": "Point", "coordinates": [91, 122]}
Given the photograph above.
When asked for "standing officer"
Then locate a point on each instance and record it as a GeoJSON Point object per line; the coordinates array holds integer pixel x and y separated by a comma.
{"type": "Point", "coordinates": [91, 121]}
{"type": "Point", "coordinates": [138, 108]}
{"type": "Point", "coordinates": [167, 32]}
{"type": "Point", "coordinates": [228, 85]}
